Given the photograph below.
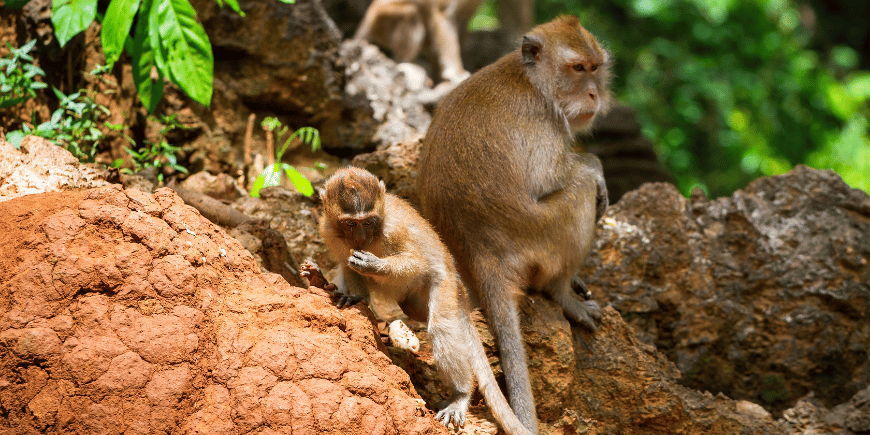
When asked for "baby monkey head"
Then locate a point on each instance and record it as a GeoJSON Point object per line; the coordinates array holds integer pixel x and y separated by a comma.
{"type": "Point", "coordinates": [353, 202]}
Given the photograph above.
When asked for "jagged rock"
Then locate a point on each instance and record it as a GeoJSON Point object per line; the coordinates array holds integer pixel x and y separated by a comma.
{"type": "Point", "coordinates": [41, 166]}
{"type": "Point", "coordinates": [125, 312]}
{"type": "Point", "coordinates": [382, 96]}
{"type": "Point", "coordinates": [396, 165]}
{"type": "Point", "coordinates": [279, 57]}
{"type": "Point", "coordinates": [763, 296]}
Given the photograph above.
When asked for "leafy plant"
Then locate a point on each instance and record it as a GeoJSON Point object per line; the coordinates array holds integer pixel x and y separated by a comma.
{"type": "Point", "coordinates": [271, 175]}
{"type": "Point", "coordinates": [168, 41]}
{"type": "Point", "coordinates": [155, 154]}
{"type": "Point", "coordinates": [73, 125]}
{"type": "Point", "coordinates": [17, 73]}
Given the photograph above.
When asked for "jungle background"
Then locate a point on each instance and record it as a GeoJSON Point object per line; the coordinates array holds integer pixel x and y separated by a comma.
{"type": "Point", "coordinates": [732, 90]}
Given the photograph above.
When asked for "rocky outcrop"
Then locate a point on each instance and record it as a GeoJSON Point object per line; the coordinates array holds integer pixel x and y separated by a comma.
{"type": "Point", "coordinates": [280, 57]}
{"type": "Point", "coordinates": [41, 166]}
{"type": "Point", "coordinates": [124, 312]}
{"type": "Point", "coordinates": [763, 296]}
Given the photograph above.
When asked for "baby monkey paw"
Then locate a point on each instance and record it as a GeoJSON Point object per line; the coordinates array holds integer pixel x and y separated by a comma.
{"type": "Point", "coordinates": [315, 277]}
{"type": "Point", "coordinates": [365, 262]}
{"type": "Point", "coordinates": [454, 411]}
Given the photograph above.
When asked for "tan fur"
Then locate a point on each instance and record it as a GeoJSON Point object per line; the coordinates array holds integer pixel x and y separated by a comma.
{"type": "Point", "coordinates": [515, 207]}
{"type": "Point", "coordinates": [409, 27]}
{"type": "Point", "coordinates": [404, 260]}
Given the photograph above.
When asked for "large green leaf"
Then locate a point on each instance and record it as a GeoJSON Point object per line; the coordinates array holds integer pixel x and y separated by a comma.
{"type": "Point", "coordinates": [182, 49]}
{"type": "Point", "coordinates": [150, 88]}
{"type": "Point", "coordinates": [71, 17]}
{"type": "Point", "coordinates": [116, 27]}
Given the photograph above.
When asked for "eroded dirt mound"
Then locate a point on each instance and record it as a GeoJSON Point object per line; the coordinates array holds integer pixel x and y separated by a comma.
{"type": "Point", "coordinates": [123, 312]}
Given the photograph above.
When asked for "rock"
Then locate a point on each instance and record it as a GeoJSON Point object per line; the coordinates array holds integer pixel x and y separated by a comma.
{"type": "Point", "coordinates": [41, 166]}
{"type": "Point", "coordinates": [279, 57]}
{"type": "Point", "coordinates": [381, 98]}
{"type": "Point", "coordinates": [396, 165]}
{"type": "Point", "coordinates": [220, 186]}
{"type": "Point", "coordinates": [763, 296]}
{"type": "Point", "coordinates": [126, 312]}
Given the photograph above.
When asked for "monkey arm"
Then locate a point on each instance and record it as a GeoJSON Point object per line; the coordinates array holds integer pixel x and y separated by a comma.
{"type": "Point", "coordinates": [591, 163]}
{"type": "Point", "coordinates": [405, 264]}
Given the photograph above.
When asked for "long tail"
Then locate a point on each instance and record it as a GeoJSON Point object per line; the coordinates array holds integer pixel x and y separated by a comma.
{"type": "Point", "coordinates": [488, 386]}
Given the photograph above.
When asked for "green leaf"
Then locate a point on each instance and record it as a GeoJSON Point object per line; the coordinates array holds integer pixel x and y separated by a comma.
{"type": "Point", "coordinates": [299, 181]}
{"type": "Point", "coordinates": [144, 62]}
{"type": "Point", "coordinates": [71, 17]}
{"type": "Point", "coordinates": [15, 138]}
{"type": "Point", "coordinates": [234, 5]}
{"type": "Point", "coordinates": [258, 184]}
{"type": "Point", "coordinates": [183, 51]}
{"type": "Point", "coordinates": [116, 28]}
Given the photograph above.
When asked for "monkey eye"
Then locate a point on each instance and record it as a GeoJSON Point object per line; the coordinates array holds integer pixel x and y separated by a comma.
{"type": "Point", "coordinates": [368, 223]}
{"type": "Point", "coordinates": [580, 67]}
{"type": "Point", "coordinates": [350, 223]}
{"type": "Point", "coordinates": [594, 67]}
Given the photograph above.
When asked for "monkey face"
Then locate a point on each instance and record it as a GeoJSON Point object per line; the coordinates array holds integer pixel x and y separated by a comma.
{"type": "Point", "coordinates": [359, 232]}
{"type": "Point", "coordinates": [565, 60]}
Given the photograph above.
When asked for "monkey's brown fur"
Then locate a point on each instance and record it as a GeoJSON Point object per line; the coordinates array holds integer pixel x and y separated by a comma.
{"type": "Point", "coordinates": [497, 180]}
{"type": "Point", "coordinates": [383, 246]}
{"type": "Point", "coordinates": [409, 27]}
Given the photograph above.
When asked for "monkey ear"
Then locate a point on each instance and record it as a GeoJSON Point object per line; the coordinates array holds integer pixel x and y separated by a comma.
{"type": "Point", "coordinates": [532, 45]}
{"type": "Point", "coordinates": [383, 186]}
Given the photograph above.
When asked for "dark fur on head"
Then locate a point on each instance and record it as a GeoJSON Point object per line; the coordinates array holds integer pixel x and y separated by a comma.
{"type": "Point", "coordinates": [347, 184]}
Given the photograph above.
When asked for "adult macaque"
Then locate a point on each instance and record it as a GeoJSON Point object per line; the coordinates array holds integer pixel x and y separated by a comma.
{"type": "Point", "coordinates": [515, 207]}
{"type": "Point", "coordinates": [406, 27]}
{"type": "Point", "coordinates": [384, 246]}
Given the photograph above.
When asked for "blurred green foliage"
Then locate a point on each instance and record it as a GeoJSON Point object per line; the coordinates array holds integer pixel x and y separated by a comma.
{"type": "Point", "coordinates": [732, 90]}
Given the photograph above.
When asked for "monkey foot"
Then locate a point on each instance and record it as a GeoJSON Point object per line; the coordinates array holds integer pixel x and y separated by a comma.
{"type": "Point", "coordinates": [580, 288]}
{"type": "Point", "coordinates": [586, 313]}
{"type": "Point", "coordinates": [347, 300]}
{"type": "Point", "coordinates": [453, 410]}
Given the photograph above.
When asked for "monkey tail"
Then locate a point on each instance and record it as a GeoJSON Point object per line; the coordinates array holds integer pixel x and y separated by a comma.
{"type": "Point", "coordinates": [488, 386]}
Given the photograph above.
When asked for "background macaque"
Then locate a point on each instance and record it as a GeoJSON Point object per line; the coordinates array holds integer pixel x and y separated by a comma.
{"type": "Point", "coordinates": [384, 246]}
{"type": "Point", "coordinates": [434, 27]}
{"type": "Point", "coordinates": [513, 205]}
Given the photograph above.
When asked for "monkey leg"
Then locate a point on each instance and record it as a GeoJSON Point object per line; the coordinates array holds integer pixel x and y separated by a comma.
{"type": "Point", "coordinates": [453, 357]}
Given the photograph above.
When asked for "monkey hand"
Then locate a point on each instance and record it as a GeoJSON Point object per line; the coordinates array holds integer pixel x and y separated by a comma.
{"type": "Point", "coordinates": [365, 263]}
{"type": "Point", "coordinates": [315, 277]}
{"type": "Point", "coordinates": [601, 201]}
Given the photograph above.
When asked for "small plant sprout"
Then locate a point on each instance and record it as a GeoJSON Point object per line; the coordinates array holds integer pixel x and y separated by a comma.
{"type": "Point", "coordinates": [156, 154]}
{"type": "Point", "coordinates": [17, 83]}
{"type": "Point", "coordinates": [271, 175]}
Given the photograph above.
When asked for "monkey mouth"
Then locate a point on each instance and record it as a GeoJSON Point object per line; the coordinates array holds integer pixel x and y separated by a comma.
{"type": "Point", "coordinates": [585, 116]}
